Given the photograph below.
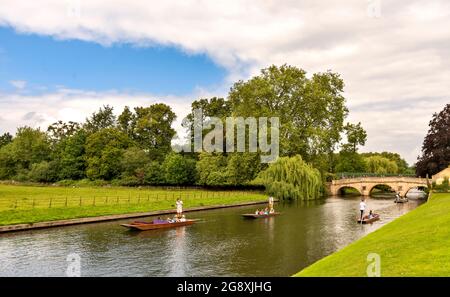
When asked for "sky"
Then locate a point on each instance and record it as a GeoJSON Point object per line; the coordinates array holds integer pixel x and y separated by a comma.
{"type": "Point", "coordinates": [63, 59]}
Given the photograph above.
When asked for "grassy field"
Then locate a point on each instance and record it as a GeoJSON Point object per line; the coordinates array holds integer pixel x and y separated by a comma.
{"type": "Point", "coordinates": [416, 244]}
{"type": "Point", "coordinates": [30, 204]}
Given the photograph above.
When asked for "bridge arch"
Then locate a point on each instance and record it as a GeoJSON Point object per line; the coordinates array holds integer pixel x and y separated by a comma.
{"type": "Point", "coordinates": [390, 186]}
{"type": "Point", "coordinates": [340, 191]}
{"type": "Point", "coordinates": [420, 188]}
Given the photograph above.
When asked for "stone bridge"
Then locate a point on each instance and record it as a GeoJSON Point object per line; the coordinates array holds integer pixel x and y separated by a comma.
{"type": "Point", "coordinates": [366, 184]}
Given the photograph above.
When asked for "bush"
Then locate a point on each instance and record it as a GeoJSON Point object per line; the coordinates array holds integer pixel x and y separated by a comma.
{"type": "Point", "coordinates": [43, 172]}
{"type": "Point", "coordinates": [179, 170]}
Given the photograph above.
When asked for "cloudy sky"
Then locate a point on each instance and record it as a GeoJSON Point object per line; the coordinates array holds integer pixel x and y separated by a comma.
{"type": "Point", "coordinates": [64, 59]}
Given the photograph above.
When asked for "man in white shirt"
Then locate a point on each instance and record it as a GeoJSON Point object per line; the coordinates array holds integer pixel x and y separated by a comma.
{"type": "Point", "coordinates": [362, 208]}
{"type": "Point", "coordinates": [270, 203]}
{"type": "Point", "coordinates": [179, 205]}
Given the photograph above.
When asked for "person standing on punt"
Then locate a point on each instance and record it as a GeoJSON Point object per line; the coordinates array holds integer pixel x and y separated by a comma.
{"type": "Point", "coordinates": [271, 203]}
{"type": "Point", "coordinates": [179, 205]}
{"type": "Point", "coordinates": [362, 208]}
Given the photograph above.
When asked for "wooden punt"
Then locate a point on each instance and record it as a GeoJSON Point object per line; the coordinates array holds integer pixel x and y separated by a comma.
{"type": "Point", "coordinates": [366, 220]}
{"type": "Point", "coordinates": [258, 216]}
{"type": "Point", "coordinates": [144, 226]}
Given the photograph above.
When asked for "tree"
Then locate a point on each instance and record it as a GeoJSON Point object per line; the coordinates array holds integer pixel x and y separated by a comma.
{"type": "Point", "coordinates": [311, 110]}
{"type": "Point", "coordinates": [380, 165]}
{"type": "Point", "coordinates": [126, 121]}
{"type": "Point", "coordinates": [402, 165]}
{"type": "Point", "coordinates": [292, 178]}
{"type": "Point", "coordinates": [436, 145]}
{"type": "Point", "coordinates": [104, 152]}
{"type": "Point", "coordinates": [153, 174]}
{"type": "Point", "coordinates": [356, 135]}
{"type": "Point", "coordinates": [179, 170]}
{"type": "Point", "coordinates": [72, 157]}
{"type": "Point", "coordinates": [102, 119]}
{"type": "Point", "coordinates": [5, 139]}
{"type": "Point", "coordinates": [44, 172]}
{"type": "Point", "coordinates": [212, 169]}
{"type": "Point", "coordinates": [153, 130]}
{"type": "Point", "coordinates": [28, 147]}
{"type": "Point", "coordinates": [346, 161]}
{"type": "Point", "coordinates": [134, 162]}
{"type": "Point", "coordinates": [60, 130]}
{"type": "Point", "coordinates": [242, 168]}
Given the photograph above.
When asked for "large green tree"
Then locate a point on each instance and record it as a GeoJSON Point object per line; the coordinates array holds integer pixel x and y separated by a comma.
{"type": "Point", "coordinates": [5, 139]}
{"type": "Point", "coordinates": [380, 165]}
{"type": "Point", "coordinates": [104, 153]}
{"type": "Point", "coordinates": [311, 110]}
{"type": "Point", "coordinates": [30, 146]}
{"type": "Point", "coordinates": [436, 145]}
{"type": "Point", "coordinates": [179, 170]}
{"type": "Point", "coordinates": [152, 129]}
{"type": "Point", "coordinates": [102, 119]}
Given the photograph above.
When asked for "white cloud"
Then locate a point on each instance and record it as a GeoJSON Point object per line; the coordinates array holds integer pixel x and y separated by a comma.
{"type": "Point", "coordinates": [18, 84]}
{"type": "Point", "coordinates": [397, 59]}
{"type": "Point", "coordinates": [40, 111]}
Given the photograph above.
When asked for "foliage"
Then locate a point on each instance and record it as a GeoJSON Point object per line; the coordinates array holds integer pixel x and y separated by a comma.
{"type": "Point", "coordinates": [30, 146]}
{"type": "Point", "coordinates": [102, 119]}
{"type": "Point", "coordinates": [380, 165]}
{"type": "Point", "coordinates": [311, 110]}
{"type": "Point", "coordinates": [179, 170]}
{"type": "Point", "coordinates": [43, 172]}
{"type": "Point", "coordinates": [356, 135]}
{"type": "Point", "coordinates": [72, 157]}
{"type": "Point", "coordinates": [347, 161]}
{"type": "Point", "coordinates": [104, 152]}
{"type": "Point", "coordinates": [5, 139]}
{"type": "Point", "coordinates": [436, 145]}
{"type": "Point", "coordinates": [402, 165]}
{"type": "Point", "coordinates": [292, 178]}
{"type": "Point", "coordinates": [211, 168]}
{"type": "Point", "coordinates": [152, 129]}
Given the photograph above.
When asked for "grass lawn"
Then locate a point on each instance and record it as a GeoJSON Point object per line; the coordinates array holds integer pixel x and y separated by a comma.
{"type": "Point", "coordinates": [416, 244]}
{"type": "Point", "coordinates": [30, 204]}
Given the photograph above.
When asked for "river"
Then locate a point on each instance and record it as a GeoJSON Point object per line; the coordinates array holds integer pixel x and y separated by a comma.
{"type": "Point", "coordinates": [222, 244]}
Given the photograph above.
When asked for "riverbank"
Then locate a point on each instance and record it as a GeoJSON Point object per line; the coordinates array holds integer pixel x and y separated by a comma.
{"type": "Point", "coordinates": [415, 244]}
{"type": "Point", "coordinates": [30, 204]}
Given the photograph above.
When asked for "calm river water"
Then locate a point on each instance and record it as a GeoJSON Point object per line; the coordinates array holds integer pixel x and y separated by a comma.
{"type": "Point", "coordinates": [222, 244]}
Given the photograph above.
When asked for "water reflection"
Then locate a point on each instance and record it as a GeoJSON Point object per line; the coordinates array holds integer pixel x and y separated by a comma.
{"type": "Point", "coordinates": [222, 244]}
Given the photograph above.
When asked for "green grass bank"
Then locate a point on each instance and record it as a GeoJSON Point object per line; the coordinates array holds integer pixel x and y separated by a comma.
{"type": "Point", "coordinates": [416, 244]}
{"type": "Point", "coordinates": [31, 204]}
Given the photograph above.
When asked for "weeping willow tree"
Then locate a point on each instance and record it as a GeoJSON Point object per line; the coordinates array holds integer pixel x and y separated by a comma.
{"type": "Point", "coordinates": [292, 178]}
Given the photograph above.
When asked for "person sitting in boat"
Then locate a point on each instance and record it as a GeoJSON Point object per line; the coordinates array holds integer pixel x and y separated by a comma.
{"type": "Point", "coordinates": [266, 211]}
{"type": "Point", "coordinates": [370, 216]}
{"type": "Point", "coordinates": [261, 212]}
{"type": "Point", "coordinates": [272, 211]}
{"type": "Point", "coordinates": [257, 212]}
{"type": "Point", "coordinates": [159, 221]}
{"type": "Point", "coordinates": [183, 218]}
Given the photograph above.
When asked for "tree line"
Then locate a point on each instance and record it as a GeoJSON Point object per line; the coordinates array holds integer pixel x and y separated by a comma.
{"type": "Point", "coordinates": [134, 148]}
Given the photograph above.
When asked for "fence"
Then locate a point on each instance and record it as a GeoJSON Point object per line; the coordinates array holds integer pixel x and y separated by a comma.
{"type": "Point", "coordinates": [62, 201]}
